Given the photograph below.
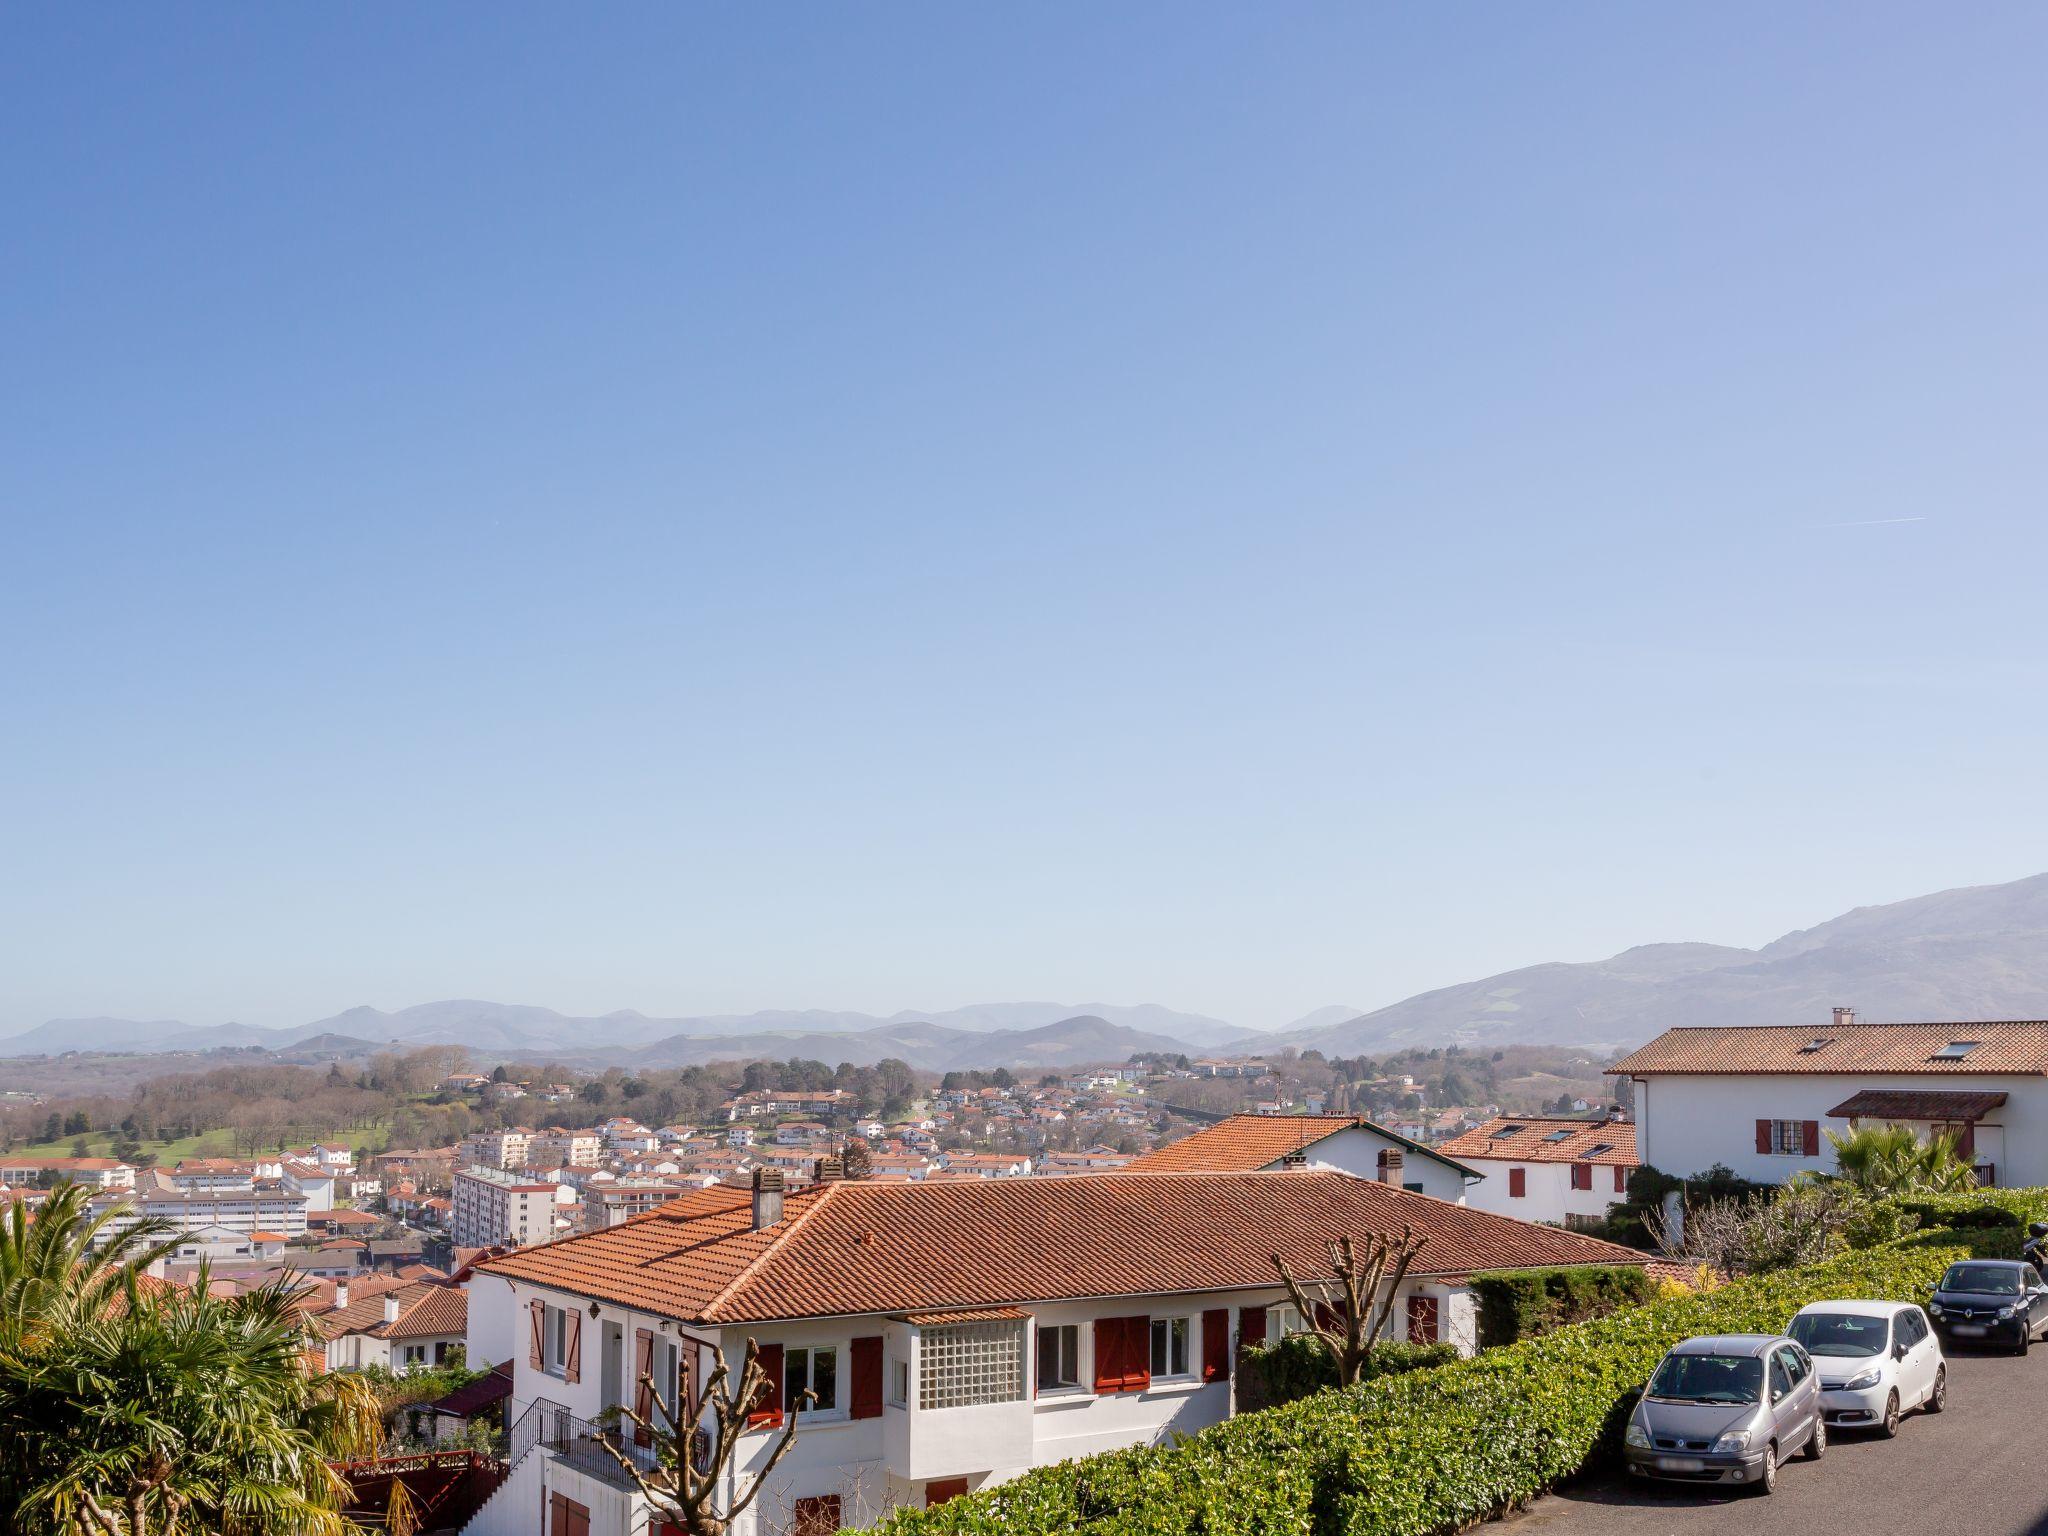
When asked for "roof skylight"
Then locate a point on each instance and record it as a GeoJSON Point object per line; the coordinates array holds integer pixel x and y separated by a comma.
{"type": "Point", "coordinates": [1955, 1050]}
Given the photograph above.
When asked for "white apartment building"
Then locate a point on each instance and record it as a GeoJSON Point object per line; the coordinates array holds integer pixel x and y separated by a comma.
{"type": "Point", "coordinates": [18, 1172]}
{"type": "Point", "coordinates": [1344, 1143]}
{"type": "Point", "coordinates": [1760, 1100]}
{"type": "Point", "coordinates": [267, 1208]}
{"type": "Point", "coordinates": [957, 1333]}
{"type": "Point", "coordinates": [488, 1206]}
{"type": "Point", "coordinates": [493, 1149]}
{"type": "Point", "coordinates": [556, 1148]}
{"type": "Point", "coordinates": [1558, 1170]}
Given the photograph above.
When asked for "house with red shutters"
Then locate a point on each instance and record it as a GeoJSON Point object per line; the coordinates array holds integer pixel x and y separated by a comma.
{"type": "Point", "coordinates": [954, 1333]}
{"type": "Point", "coordinates": [1760, 1100]}
{"type": "Point", "coordinates": [1567, 1171]}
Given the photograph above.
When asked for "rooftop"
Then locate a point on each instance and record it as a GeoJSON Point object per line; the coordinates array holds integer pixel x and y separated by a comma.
{"type": "Point", "coordinates": [1536, 1139]}
{"type": "Point", "coordinates": [1247, 1142]}
{"type": "Point", "coordinates": [857, 1248]}
{"type": "Point", "coordinates": [2006, 1047]}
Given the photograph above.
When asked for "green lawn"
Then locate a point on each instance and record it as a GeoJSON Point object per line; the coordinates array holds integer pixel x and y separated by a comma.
{"type": "Point", "coordinates": [220, 1143]}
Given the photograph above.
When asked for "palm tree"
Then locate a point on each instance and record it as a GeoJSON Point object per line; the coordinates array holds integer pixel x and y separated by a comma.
{"type": "Point", "coordinates": [130, 1408]}
{"type": "Point", "coordinates": [1890, 1160]}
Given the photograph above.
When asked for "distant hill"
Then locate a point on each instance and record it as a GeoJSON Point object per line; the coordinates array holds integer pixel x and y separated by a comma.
{"type": "Point", "coordinates": [522, 1030]}
{"type": "Point", "coordinates": [1980, 952]}
{"type": "Point", "coordinates": [929, 1047]}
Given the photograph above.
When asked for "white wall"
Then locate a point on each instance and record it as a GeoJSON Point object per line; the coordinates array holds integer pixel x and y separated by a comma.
{"type": "Point", "coordinates": [495, 1321]}
{"type": "Point", "coordinates": [1549, 1197]}
{"type": "Point", "coordinates": [1357, 1151]}
{"type": "Point", "coordinates": [1684, 1125]}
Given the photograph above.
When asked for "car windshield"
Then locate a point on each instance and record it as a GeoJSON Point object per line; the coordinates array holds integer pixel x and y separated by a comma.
{"type": "Point", "coordinates": [1708, 1379]}
{"type": "Point", "coordinates": [1984, 1279]}
{"type": "Point", "coordinates": [1840, 1333]}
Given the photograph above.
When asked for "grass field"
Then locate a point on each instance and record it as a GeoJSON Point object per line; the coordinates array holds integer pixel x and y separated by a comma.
{"type": "Point", "coordinates": [220, 1143]}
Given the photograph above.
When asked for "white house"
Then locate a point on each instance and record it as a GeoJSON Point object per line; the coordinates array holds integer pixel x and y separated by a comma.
{"type": "Point", "coordinates": [956, 1333]}
{"type": "Point", "coordinates": [313, 1180]}
{"type": "Point", "coordinates": [1558, 1170]}
{"type": "Point", "coordinates": [408, 1329]}
{"type": "Point", "coordinates": [1342, 1142]}
{"type": "Point", "coordinates": [1759, 1100]}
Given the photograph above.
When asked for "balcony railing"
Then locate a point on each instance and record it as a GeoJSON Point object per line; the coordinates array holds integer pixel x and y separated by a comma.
{"type": "Point", "coordinates": [581, 1443]}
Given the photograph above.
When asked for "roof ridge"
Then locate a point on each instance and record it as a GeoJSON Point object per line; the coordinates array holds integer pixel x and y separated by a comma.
{"type": "Point", "coordinates": [774, 1244]}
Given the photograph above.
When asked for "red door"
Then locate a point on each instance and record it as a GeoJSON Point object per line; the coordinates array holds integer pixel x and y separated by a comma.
{"type": "Point", "coordinates": [1422, 1319]}
{"type": "Point", "coordinates": [940, 1489]}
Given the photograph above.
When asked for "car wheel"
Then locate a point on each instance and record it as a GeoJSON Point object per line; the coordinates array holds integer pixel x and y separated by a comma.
{"type": "Point", "coordinates": [1938, 1398]}
{"type": "Point", "coordinates": [1817, 1442]}
{"type": "Point", "coordinates": [1767, 1474]}
{"type": "Point", "coordinates": [1890, 1426]}
{"type": "Point", "coordinates": [2026, 1339]}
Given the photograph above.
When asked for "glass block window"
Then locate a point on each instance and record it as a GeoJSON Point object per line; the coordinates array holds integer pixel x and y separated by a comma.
{"type": "Point", "coordinates": [969, 1363]}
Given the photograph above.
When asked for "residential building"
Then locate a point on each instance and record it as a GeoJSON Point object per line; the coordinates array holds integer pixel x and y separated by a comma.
{"type": "Point", "coordinates": [987, 1165]}
{"type": "Point", "coordinates": [21, 1172]}
{"type": "Point", "coordinates": [494, 1149]}
{"type": "Point", "coordinates": [1342, 1142]}
{"type": "Point", "coordinates": [408, 1328]}
{"type": "Point", "coordinates": [252, 1209]}
{"type": "Point", "coordinates": [557, 1148]}
{"type": "Point", "coordinates": [957, 1334]}
{"type": "Point", "coordinates": [1760, 1100]}
{"type": "Point", "coordinates": [1559, 1170]}
{"type": "Point", "coordinates": [771, 1101]}
{"type": "Point", "coordinates": [490, 1206]}
{"type": "Point", "coordinates": [314, 1180]}
{"type": "Point", "coordinates": [203, 1174]}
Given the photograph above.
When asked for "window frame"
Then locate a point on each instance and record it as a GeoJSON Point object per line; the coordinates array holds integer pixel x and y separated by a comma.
{"type": "Point", "coordinates": [554, 1333]}
{"type": "Point", "coordinates": [896, 1392]}
{"type": "Point", "coordinates": [796, 1381]}
{"type": "Point", "coordinates": [1163, 1334]}
{"type": "Point", "coordinates": [1066, 1342]}
{"type": "Point", "coordinates": [1788, 1138]}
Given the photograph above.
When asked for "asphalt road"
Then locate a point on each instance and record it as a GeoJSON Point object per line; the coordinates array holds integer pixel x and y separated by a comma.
{"type": "Point", "coordinates": [1979, 1469]}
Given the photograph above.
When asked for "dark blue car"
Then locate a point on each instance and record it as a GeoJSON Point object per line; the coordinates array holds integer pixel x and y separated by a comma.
{"type": "Point", "coordinates": [1990, 1301]}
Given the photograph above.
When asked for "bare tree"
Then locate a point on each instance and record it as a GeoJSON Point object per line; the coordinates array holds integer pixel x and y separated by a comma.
{"type": "Point", "coordinates": [1347, 1312]}
{"type": "Point", "coordinates": [695, 1457]}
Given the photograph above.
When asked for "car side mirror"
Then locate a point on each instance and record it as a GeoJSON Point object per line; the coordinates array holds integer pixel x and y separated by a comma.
{"type": "Point", "coordinates": [1899, 1351]}
{"type": "Point", "coordinates": [1777, 1396]}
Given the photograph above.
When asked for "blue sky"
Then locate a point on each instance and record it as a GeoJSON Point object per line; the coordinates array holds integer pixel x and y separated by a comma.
{"type": "Point", "coordinates": [703, 508]}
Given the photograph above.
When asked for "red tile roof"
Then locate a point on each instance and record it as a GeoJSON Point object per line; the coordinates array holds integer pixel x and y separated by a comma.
{"type": "Point", "coordinates": [855, 1248]}
{"type": "Point", "coordinates": [1533, 1139]}
{"type": "Point", "coordinates": [1917, 1104]}
{"type": "Point", "coordinates": [1247, 1142]}
{"type": "Point", "coordinates": [2008, 1047]}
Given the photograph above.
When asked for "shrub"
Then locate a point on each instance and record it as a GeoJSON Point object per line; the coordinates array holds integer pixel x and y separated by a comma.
{"type": "Point", "coordinates": [1298, 1365]}
{"type": "Point", "coordinates": [1521, 1303]}
{"type": "Point", "coordinates": [1415, 1454]}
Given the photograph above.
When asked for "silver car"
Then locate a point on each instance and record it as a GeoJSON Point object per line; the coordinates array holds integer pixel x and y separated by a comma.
{"type": "Point", "coordinates": [1727, 1409]}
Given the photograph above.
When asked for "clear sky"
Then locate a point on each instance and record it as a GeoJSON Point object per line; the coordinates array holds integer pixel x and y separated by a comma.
{"type": "Point", "coordinates": [710, 507]}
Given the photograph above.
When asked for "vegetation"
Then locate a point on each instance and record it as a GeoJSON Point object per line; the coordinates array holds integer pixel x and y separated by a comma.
{"type": "Point", "coordinates": [1348, 1315]}
{"type": "Point", "coordinates": [1522, 1303]}
{"type": "Point", "coordinates": [139, 1410]}
{"type": "Point", "coordinates": [1891, 1160]}
{"type": "Point", "coordinates": [1415, 1454]}
{"type": "Point", "coordinates": [1298, 1365]}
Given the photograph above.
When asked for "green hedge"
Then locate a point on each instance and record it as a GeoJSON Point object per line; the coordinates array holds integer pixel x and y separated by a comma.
{"type": "Point", "coordinates": [1299, 1364]}
{"type": "Point", "coordinates": [1411, 1455]}
{"type": "Point", "coordinates": [1519, 1304]}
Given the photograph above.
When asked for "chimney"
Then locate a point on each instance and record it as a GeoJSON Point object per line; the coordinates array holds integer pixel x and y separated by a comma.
{"type": "Point", "coordinates": [767, 1198]}
{"type": "Point", "coordinates": [341, 1293]}
{"type": "Point", "coordinates": [1390, 1166]}
{"type": "Point", "coordinates": [829, 1170]}
{"type": "Point", "coordinates": [1844, 1017]}
{"type": "Point", "coordinates": [1616, 1115]}
{"type": "Point", "coordinates": [1295, 1159]}
{"type": "Point", "coordinates": [391, 1306]}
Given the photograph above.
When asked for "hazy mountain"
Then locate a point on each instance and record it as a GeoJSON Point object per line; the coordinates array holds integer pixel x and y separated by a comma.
{"type": "Point", "coordinates": [1980, 952]}
{"type": "Point", "coordinates": [1321, 1018]}
{"type": "Point", "coordinates": [60, 1035]}
{"type": "Point", "coordinates": [930, 1047]}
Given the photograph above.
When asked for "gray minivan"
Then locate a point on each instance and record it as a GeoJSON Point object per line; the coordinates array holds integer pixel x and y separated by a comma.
{"type": "Point", "coordinates": [1727, 1409]}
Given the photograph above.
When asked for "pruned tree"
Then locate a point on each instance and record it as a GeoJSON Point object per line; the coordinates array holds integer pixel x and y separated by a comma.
{"type": "Point", "coordinates": [1348, 1312]}
{"type": "Point", "coordinates": [693, 1457]}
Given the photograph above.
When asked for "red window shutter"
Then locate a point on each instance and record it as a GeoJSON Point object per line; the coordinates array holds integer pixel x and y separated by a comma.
{"type": "Point", "coordinates": [534, 1357]}
{"type": "Point", "coordinates": [1109, 1355]}
{"type": "Point", "coordinates": [866, 1399]}
{"type": "Point", "coordinates": [1763, 1136]}
{"type": "Point", "coordinates": [1620, 1179]}
{"type": "Point", "coordinates": [687, 1366]}
{"type": "Point", "coordinates": [1582, 1175]}
{"type": "Point", "coordinates": [940, 1489]}
{"type": "Point", "coordinates": [1422, 1319]}
{"type": "Point", "coordinates": [1216, 1344]}
{"type": "Point", "coordinates": [767, 1409]}
{"type": "Point", "coordinates": [1251, 1326]}
{"type": "Point", "coordinates": [1138, 1371]}
{"type": "Point", "coordinates": [643, 1383]}
{"type": "Point", "coordinates": [1518, 1183]}
{"type": "Point", "coordinates": [816, 1516]}
{"type": "Point", "coordinates": [1809, 1138]}
{"type": "Point", "coordinates": [572, 1348]}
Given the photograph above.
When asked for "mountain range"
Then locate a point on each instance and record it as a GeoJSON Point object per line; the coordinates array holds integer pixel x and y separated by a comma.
{"type": "Point", "coordinates": [1978, 952]}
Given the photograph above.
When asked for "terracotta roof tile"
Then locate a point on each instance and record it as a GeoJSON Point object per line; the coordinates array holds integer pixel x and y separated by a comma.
{"type": "Point", "coordinates": [848, 1249]}
{"type": "Point", "coordinates": [2014, 1046]}
{"type": "Point", "coordinates": [1247, 1142]}
{"type": "Point", "coordinates": [1917, 1104]}
{"type": "Point", "coordinates": [1534, 1139]}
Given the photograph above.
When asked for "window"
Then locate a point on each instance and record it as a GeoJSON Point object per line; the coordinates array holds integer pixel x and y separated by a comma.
{"type": "Point", "coordinates": [1059, 1357]}
{"type": "Point", "coordinates": [971, 1363]}
{"type": "Point", "coordinates": [1956, 1050]}
{"type": "Point", "coordinates": [556, 1325]}
{"type": "Point", "coordinates": [816, 1516]}
{"type": "Point", "coordinates": [415, 1354]}
{"type": "Point", "coordinates": [1282, 1320]}
{"type": "Point", "coordinates": [1582, 1175]}
{"type": "Point", "coordinates": [1518, 1183]}
{"type": "Point", "coordinates": [1560, 1135]}
{"type": "Point", "coordinates": [811, 1370]}
{"type": "Point", "coordinates": [1169, 1347]}
{"type": "Point", "coordinates": [1817, 1043]}
{"type": "Point", "coordinates": [899, 1382]}
{"type": "Point", "coordinates": [1788, 1138]}
{"type": "Point", "coordinates": [1508, 1130]}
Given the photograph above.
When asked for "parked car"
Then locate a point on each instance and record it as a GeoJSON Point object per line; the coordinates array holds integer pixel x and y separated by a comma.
{"type": "Point", "coordinates": [1876, 1359]}
{"type": "Point", "coordinates": [1728, 1408]}
{"type": "Point", "coordinates": [1990, 1301]}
